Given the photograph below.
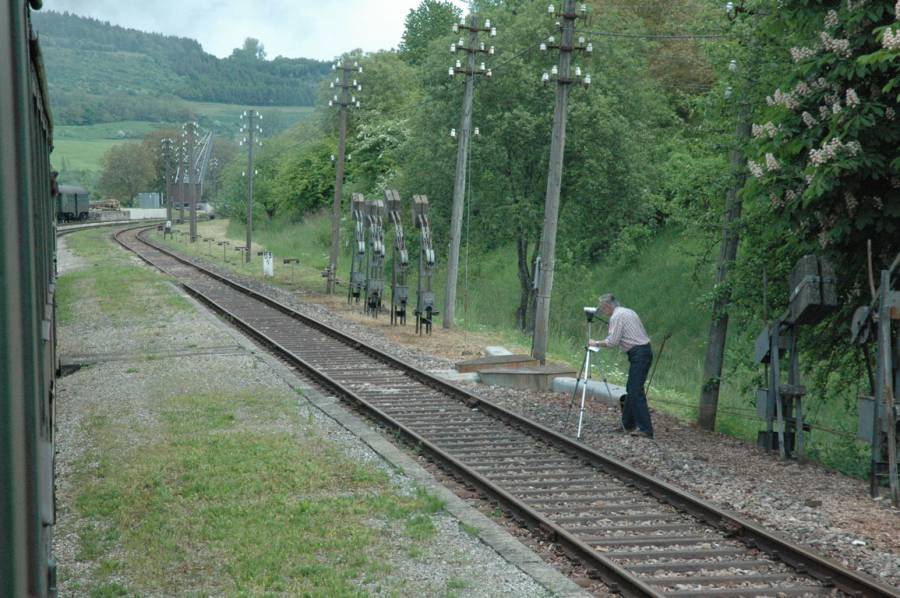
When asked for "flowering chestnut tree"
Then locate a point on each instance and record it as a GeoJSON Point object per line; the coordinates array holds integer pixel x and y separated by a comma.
{"type": "Point", "coordinates": [825, 156]}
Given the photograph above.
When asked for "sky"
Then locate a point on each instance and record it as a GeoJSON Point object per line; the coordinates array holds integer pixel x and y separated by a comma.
{"type": "Point", "coordinates": [319, 29]}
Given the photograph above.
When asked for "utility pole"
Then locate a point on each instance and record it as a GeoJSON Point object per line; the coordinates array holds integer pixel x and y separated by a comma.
{"type": "Point", "coordinates": [564, 77]}
{"type": "Point", "coordinates": [718, 327]}
{"type": "Point", "coordinates": [250, 128]}
{"type": "Point", "coordinates": [166, 146]}
{"type": "Point", "coordinates": [343, 100]}
{"type": "Point", "coordinates": [188, 147]}
{"type": "Point", "coordinates": [472, 48]}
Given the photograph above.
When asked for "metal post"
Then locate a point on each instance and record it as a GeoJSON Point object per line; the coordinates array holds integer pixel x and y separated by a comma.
{"type": "Point", "coordinates": [554, 180]}
{"type": "Point", "coordinates": [462, 153]}
{"type": "Point", "coordinates": [775, 389]}
{"type": "Point", "coordinates": [251, 134]}
{"type": "Point", "coordinates": [167, 186]}
{"type": "Point", "coordinates": [886, 395]}
{"type": "Point", "coordinates": [343, 101]}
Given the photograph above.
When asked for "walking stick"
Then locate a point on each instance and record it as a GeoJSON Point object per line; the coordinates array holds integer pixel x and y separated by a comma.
{"type": "Point", "coordinates": [661, 347]}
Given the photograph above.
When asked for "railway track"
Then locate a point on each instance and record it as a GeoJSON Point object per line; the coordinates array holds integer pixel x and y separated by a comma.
{"type": "Point", "coordinates": [641, 536]}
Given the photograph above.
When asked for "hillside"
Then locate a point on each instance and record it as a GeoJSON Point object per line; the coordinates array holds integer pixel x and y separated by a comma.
{"type": "Point", "coordinates": [100, 72]}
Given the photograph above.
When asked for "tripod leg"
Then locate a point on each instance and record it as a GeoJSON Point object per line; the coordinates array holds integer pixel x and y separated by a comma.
{"type": "Point", "coordinates": [574, 394]}
{"type": "Point", "coordinates": [587, 375]}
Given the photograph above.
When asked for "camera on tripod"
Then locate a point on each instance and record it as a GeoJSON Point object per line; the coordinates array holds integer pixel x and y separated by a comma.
{"type": "Point", "coordinates": [589, 313]}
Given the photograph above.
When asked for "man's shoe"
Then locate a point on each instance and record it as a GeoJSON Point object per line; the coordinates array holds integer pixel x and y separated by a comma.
{"type": "Point", "coordinates": [641, 434]}
{"type": "Point", "coordinates": [621, 430]}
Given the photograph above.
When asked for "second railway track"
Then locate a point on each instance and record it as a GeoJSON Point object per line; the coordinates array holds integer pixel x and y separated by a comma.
{"type": "Point", "coordinates": [641, 536]}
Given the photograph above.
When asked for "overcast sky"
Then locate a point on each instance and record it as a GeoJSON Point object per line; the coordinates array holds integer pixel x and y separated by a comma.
{"type": "Point", "coordinates": [319, 29]}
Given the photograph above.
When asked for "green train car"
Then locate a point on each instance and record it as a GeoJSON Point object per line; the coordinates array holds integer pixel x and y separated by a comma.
{"type": "Point", "coordinates": [72, 203]}
{"type": "Point", "coordinates": [28, 362]}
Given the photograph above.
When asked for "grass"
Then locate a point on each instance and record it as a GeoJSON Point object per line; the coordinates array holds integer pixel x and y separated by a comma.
{"type": "Point", "coordinates": [271, 512]}
{"type": "Point", "coordinates": [664, 286]}
{"type": "Point", "coordinates": [112, 282]}
{"type": "Point", "coordinates": [80, 148]}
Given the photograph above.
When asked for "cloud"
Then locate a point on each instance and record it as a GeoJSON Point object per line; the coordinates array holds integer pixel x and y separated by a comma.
{"type": "Point", "coordinates": [312, 29]}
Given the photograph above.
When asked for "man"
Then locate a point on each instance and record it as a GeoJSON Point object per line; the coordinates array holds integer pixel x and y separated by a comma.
{"type": "Point", "coordinates": [627, 332]}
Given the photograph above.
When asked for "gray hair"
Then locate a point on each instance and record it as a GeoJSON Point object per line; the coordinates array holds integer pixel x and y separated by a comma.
{"type": "Point", "coordinates": [609, 299]}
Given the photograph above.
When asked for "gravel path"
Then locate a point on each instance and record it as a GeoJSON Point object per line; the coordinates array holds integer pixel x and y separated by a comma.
{"type": "Point", "coordinates": [125, 389]}
{"type": "Point", "coordinates": [828, 511]}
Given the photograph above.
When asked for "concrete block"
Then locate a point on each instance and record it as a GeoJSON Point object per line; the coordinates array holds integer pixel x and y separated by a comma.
{"type": "Point", "coordinates": [455, 376]}
{"type": "Point", "coordinates": [536, 378]}
{"type": "Point", "coordinates": [596, 389]}
{"type": "Point", "coordinates": [497, 361]}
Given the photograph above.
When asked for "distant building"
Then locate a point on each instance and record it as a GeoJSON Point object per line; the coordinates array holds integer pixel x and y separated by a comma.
{"type": "Point", "coordinates": [148, 200]}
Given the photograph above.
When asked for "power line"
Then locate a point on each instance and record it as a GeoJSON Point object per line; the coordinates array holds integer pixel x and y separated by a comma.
{"type": "Point", "coordinates": [660, 36]}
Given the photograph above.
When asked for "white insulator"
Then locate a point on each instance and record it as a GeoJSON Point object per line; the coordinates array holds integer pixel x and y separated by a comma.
{"type": "Point", "coordinates": [491, 51]}
{"type": "Point", "coordinates": [489, 73]}
{"type": "Point", "coordinates": [458, 64]}
{"type": "Point", "coordinates": [545, 78]}
{"type": "Point", "coordinates": [543, 47]}
{"type": "Point", "coordinates": [554, 70]}
{"type": "Point", "coordinates": [487, 24]}
{"type": "Point", "coordinates": [452, 48]}
{"type": "Point", "coordinates": [551, 9]}
{"type": "Point", "coordinates": [450, 71]}
{"type": "Point", "coordinates": [481, 46]}
{"type": "Point", "coordinates": [590, 48]}
{"type": "Point", "coordinates": [482, 67]}
{"type": "Point", "coordinates": [732, 66]}
{"type": "Point", "coordinates": [551, 39]}
{"type": "Point", "coordinates": [455, 28]}
{"type": "Point", "coordinates": [577, 71]}
{"type": "Point", "coordinates": [493, 32]}
{"type": "Point", "coordinates": [477, 131]}
{"type": "Point", "coordinates": [331, 85]}
{"type": "Point", "coordinates": [587, 80]}
{"type": "Point", "coordinates": [453, 133]}
{"type": "Point", "coordinates": [358, 105]}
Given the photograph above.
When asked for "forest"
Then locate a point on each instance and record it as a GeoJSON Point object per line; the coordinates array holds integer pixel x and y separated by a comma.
{"type": "Point", "coordinates": [99, 72]}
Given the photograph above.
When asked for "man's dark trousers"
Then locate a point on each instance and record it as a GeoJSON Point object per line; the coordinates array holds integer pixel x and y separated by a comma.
{"type": "Point", "coordinates": [635, 413]}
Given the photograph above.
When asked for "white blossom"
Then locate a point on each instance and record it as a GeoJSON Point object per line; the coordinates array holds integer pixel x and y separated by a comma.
{"type": "Point", "coordinates": [852, 98]}
{"type": "Point", "coordinates": [755, 169]}
{"type": "Point", "coordinates": [790, 195]}
{"type": "Point", "coordinates": [831, 19]}
{"type": "Point", "coordinates": [771, 163]}
{"type": "Point", "coordinates": [801, 53]}
{"type": "Point", "coordinates": [891, 40]}
{"type": "Point", "coordinates": [824, 112]}
{"type": "Point", "coordinates": [890, 113]}
{"type": "Point", "coordinates": [809, 119]}
{"type": "Point", "coordinates": [839, 46]}
{"type": "Point", "coordinates": [879, 205]}
{"type": "Point", "coordinates": [897, 11]}
{"type": "Point", "coordinates": [836, 107]}
{"type": "Point", "coordinates": [831, 149]}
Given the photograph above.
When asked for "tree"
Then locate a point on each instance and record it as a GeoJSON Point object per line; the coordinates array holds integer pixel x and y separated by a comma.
{"type": "Point", "coordinates": [431, 20]}
{"type": "Point", "coordinates": [252, 50]}
{"type": "Point", "coordinates": [128, 169]}
{"type": "Point", "coordinates": [825, 168]}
